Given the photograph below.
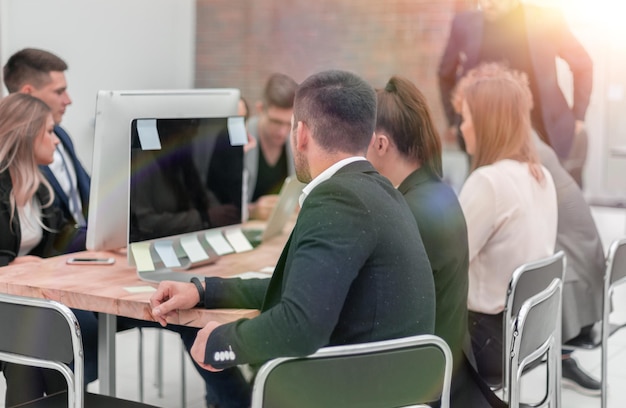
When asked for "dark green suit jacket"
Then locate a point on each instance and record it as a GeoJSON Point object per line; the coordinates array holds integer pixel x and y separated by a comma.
{"type": "Point", "coordinates": [354, 270]}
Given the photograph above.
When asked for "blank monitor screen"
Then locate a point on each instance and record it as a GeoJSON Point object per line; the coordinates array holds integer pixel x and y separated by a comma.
{"type": "Point", "coordinates": [186, 176]}
{"type": "Point", "coordinates": [107, 227]}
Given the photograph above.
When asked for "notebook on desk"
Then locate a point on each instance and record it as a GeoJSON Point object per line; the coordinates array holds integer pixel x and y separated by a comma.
{"type": "Point", "coordinates": [281, 213]}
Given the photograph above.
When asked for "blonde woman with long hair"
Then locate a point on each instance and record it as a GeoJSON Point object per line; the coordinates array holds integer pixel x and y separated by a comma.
{"type": "Point", "coordinates": [27, 219]}
{"type": "Point", "coordinates": [509, 202]}
{"type": "Point", "coordinates": [29, 223]}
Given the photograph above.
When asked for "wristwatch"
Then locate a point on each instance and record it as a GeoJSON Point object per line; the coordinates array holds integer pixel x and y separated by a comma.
{"type": "Point", "coordinates": [200, 288]}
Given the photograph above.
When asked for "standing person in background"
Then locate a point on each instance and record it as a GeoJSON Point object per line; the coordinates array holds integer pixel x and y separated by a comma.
{"type": "Point", "coordinates": [528, 39]}
{"type": "Point", "coordinates": [42, 74]}
{"type": "Point", "coordinates": [28, 224]}
{"type": "Point", "coordinates": [270, 162]}
{"type": "Point", "coordinates": [407, 150]}
{"type": "Point", "coordinates": [510, 205]}
{"type": "Point", "coordinates": [577, 236]}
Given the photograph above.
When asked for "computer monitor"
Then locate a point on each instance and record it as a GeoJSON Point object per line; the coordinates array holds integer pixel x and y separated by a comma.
{"type": "Point", "coordinates": [107, 227]}
{"type": "Point", "coordinates": [186, 175]}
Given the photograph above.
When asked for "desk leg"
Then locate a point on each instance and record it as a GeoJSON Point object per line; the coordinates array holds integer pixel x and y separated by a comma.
{"type": "Point", "coordinates": [107, 327]}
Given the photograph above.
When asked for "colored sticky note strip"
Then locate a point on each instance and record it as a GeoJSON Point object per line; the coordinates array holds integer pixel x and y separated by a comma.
{"type": "Point", "coordinates": [166, 252]}
{"type": "Point", "coordinates": [237, 240]}
{"type": "Point", "coordinates": [193, 248]}
{"type": "Point", "coordinates": [141, 253]}
{"type": "Point", "coordinates": [148, 134]}
{"type": "Point", "coordinates": [237, 131]}
{"type": "Point", "coordinates": [217, 241]}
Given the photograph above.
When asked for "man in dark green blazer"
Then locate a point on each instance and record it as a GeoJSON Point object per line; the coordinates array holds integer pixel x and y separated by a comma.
{"type": "Point", "coordinates": [354, 269]}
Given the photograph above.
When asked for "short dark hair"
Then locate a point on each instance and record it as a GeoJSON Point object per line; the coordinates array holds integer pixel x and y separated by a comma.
{"type": "Point", "coordinates": [31, 66]}
{"type": "Point", "coordinates": [340, 109]}
{"type": "Point", "coordinates": [403, 115]}
{"type": "Point", "coordinates": [279, 91]}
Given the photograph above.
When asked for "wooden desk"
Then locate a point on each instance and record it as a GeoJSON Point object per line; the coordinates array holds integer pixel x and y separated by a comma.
{"type": "Point", "coordinates": [115, 290]}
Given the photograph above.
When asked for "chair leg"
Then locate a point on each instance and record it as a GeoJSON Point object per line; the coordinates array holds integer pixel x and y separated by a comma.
{"type": "Point", "coordinates": [604, 397]}
{"type": "Point", "coordinates": [158, 374]}
{"type": "Point", "coordinates": [158, 380]}
{"type": "Point", "coordinates": [140, 353]}
{"type": "Point", "coordinates": [183, 376]}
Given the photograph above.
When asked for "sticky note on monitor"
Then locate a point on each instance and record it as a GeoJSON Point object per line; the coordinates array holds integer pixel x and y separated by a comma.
{"type": "Point", "coordinates": [166, 252]}
{"type": "Point", "coordinates": [193, 248]}
{"type": "Point", "coordinates": [148, 134]}
{"type": "Point", "coordinates": [141, 254]}
{"type": "Point", "coordinates": [217, 241]}
{"type": "Point", "coordinates": [237, 131]}
{"type": "Point", "coordinates": [237, 240]}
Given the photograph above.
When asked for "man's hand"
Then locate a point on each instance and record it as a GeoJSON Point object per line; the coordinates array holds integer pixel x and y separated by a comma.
{"type": "Point", "coordinates": [199, 346]}
{"type": "Point", "coordinates": [172, 296]}
{"type": "Point", "coordinates": [262, 208]}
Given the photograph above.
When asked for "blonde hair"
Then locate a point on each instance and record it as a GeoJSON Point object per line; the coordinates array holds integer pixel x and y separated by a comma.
{"type": "Point", "coordinates": [499, 101]}
{"type": "Point", "coordinates": [22, 119]}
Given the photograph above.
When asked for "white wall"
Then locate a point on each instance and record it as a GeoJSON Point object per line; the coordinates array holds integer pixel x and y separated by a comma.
{"type": "Point", "coordinates": [108, 44]}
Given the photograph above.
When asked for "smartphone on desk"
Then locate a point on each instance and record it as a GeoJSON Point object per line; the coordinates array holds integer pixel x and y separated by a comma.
{"type": "Point", "coordinates": [90, 261]}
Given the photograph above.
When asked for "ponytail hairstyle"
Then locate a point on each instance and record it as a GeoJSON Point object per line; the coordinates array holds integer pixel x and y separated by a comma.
{"type": "Point", "coordinates": [403, 115]}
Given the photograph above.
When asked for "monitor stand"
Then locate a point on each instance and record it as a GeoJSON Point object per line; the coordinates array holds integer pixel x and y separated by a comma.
{"type": "Point", "coordinates": [171, 258]}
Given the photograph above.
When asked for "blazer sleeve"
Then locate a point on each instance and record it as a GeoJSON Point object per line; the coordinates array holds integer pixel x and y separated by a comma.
{"type": "Point", "coordinates": [448, 66]}
{"type": "Point", "coordinates": [579, 62]}
{"type": "Point", "coordinates": [234, 293]}
{"type": "Point", "coordinates": [314, 287]}
{"type": "Point", "coordinates": [9, 242]}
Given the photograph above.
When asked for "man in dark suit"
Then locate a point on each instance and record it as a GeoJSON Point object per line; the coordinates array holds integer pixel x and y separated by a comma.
{"type": "Point", "coordinates": [42, 75]}
{"type": "Point", "coordinates": [354, 269]}
{"type": "Point", "coordinates": [528, 39]}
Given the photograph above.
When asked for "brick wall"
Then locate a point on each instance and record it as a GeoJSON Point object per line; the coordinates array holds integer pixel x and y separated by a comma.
{"type": "Point", "coordinates": [240, 42]}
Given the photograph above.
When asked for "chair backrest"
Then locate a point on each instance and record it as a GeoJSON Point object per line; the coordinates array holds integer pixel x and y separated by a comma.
{"type": "Point", "coordinates": [616, 262]}
{"type": "Point", "coordinates": [531, 278]}
{"type": "Point", "coordinates": [527, 280]}
{"type": "Point", "coordinates": [43, 333]}
{"type": "Point", "coordinates": [393, 373]}
{"type": "Point", "coordinates": [537, 333]}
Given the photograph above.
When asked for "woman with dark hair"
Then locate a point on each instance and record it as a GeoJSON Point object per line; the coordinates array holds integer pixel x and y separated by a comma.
{"type": "Point", "coordinates": [407, 150]}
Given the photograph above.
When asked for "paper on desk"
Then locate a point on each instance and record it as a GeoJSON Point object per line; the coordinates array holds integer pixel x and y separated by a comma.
{"type": "Point", "coordinates": [252, 275]}
{"type": "Point", "coordinates": [140, 289]}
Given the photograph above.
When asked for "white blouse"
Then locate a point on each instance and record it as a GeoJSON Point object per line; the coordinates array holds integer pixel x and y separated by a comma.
{"type": "Point", "coordinates": [30, 225]}
{"type": "Point", "coordinates": [511, 220]}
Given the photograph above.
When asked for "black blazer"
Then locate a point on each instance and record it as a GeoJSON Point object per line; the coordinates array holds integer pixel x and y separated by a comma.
{"type": "Point", "coordinates": [72, 239]}
{"type": "Point", "coordinates": [354, 270]}
{"type": "Point", "coordinates": [10, 233]}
